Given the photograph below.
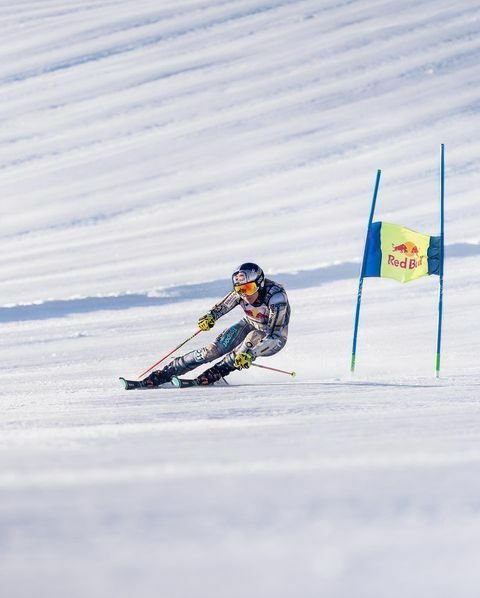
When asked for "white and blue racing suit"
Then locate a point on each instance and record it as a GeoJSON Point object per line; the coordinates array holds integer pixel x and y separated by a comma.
{"type": "Point", "coordinates": [261, 332]}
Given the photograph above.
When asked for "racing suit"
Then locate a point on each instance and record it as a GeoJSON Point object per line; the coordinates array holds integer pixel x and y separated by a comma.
{"type": "Point", "coordinates": [261, 332]}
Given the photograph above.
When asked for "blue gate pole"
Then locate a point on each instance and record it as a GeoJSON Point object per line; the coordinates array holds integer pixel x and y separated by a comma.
{"type": "Point", "coordinates": [442, 257]}
{"type": "Point", "coordinates": [362, 274]}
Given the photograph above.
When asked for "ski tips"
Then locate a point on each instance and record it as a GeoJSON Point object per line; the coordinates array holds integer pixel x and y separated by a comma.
{"type": "Point", "coordinates": [132, 384]}
{"type": "Point", "coordinates": [176, 382]}
{"type": "Point", "coordinates": [183, 382]}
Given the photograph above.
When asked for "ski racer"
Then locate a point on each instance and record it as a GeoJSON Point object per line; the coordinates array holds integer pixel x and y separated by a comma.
{"type": "Point", "coordinates": [260, 333]}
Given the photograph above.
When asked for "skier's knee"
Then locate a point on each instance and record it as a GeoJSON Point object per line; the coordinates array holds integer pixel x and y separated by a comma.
{"type": "Point", "coordinates": [211, 352]}
{"type": "Point", "coordinates": [253, 338]}
{"type": "Point", "coordinates": [274, 345]}
{"type": "Point", "coordinates": [204, 354]}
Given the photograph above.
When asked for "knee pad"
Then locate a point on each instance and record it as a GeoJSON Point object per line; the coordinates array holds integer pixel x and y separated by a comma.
{"type": "Point", "coordinates": [211, 351]}
{"type": "Point", "coordinates": [252, 339]}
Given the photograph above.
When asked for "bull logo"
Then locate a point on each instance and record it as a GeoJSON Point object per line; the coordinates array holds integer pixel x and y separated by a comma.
{"type": "Point", "coordinates": [409, 258]}
{"type": "Point", "coordinates": [408, 249]}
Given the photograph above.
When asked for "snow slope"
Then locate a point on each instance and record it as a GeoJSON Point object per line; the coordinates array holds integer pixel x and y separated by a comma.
{"type": "Point", "coordinates": [146, 149]}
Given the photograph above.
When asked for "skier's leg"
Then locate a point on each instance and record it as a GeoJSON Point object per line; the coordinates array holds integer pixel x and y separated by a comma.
{"type": "Point", "coordinates": [269, 347]}
{"type": "Point", "coordinates": [225, 366]}
{"type": "Point", "coordinates": [224, 342]}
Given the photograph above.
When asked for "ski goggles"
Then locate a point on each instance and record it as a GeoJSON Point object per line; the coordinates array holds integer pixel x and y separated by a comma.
{"type": "Point", "coordinates": [249, 288]}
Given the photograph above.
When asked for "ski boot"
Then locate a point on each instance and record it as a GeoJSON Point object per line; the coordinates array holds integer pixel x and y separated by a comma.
{"type": "Point", "coordinates": [212, 375]}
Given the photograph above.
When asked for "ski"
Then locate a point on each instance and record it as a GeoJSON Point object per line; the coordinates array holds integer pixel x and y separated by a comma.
{"type": "Point", "coordinates": [188, 382]}
{"type": "Point", "coordinates": [132, 384]}
{"type": "Point", "coordinates": [140, 384]}
{"type": "Point", "coordinates": [184, 382]}
{"type": "Point", "coordinates": [176, 382]}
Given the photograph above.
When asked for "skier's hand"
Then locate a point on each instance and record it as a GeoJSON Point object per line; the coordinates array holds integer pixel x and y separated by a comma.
{"type": "Point", "coordinates": [243, 361]}
{"type": "Point", "coordinates": [206, 322]}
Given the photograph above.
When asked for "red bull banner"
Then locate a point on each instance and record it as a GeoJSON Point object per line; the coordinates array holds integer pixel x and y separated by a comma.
{"type": "Point", "coordinates": [396, 252]}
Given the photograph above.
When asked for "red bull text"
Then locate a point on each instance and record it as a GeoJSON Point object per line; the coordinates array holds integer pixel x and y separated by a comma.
{"type": "Point", "coordinates": [412, 259]}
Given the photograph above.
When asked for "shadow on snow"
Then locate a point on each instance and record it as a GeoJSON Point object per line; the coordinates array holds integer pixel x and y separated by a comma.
{"type": "Point", "coordinates": [213, 289]}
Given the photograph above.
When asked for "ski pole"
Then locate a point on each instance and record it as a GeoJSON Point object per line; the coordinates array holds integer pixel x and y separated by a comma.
{"type": "Point", "coordinates": [172, 351]}
{"type": "Point", "coordinates": [266, 367]}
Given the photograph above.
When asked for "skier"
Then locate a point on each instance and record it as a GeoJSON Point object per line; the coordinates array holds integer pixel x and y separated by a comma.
{"type": "Point", "coordinates": [260, 333]}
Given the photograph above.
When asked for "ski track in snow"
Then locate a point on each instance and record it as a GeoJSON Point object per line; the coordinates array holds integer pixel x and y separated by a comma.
{"type": "Point", "coordinates": [250, 113]}
{"type": "Point", "coordinates": [146, 149]}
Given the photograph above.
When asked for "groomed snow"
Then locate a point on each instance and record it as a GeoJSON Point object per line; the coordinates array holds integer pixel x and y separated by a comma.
{"type": "Point", "coordinates": [146, 149]}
